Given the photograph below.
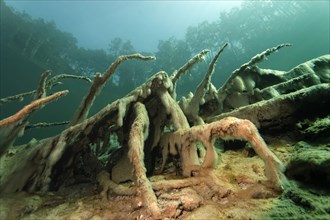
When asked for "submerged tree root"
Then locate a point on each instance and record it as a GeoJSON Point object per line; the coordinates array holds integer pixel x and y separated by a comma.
{"type": "Point", "coordinates": [229, 128]}
{"type": "Point", "coordinates": [146, 121]}
{"type": "Point", "coordinates": [177, 198]}
{"type": "Point", "coordinates": [137, 135]}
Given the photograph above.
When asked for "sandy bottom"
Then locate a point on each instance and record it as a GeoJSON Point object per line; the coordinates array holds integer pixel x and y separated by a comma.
{"type": "Point", "coordinates": [241, 194]}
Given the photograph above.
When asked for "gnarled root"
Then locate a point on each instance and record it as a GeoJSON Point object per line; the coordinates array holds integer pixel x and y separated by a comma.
{"type": "Point", "coordinates": [228, 129]}
{"type": "Point", "coordinates": [137, 136]}
{"type": "Point", "coordinates": [234, 128]}
{"type": "Point", "coordinates": [108, 185]}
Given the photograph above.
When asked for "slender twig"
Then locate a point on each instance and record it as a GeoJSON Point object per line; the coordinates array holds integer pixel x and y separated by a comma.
{"type": "Point", "coordinates": [19, 97]}
{"type": "Point", "coordinates": [53, 81]}
{"type": "Point", "coordinates": [45, 124]}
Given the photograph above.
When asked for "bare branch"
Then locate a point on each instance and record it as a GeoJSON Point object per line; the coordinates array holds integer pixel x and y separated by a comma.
{"type": "Point", "coordinates": [41, 90]}
{"type": "Point", "coordinates": [52, 82]}
{"type": "Point", "coordinates": [27, 110]}
{"type": "Point", "coordinates": [19, 97]}
{"type": "Point", "coordinates": [98, 84]}
{"type": "Point", "coordinates": [197, 58]}
{"type": "Point", "coordinates": [49, 85]}
{"type": "Point", "coordinates": [253, 62]}
{"type": "Point", "coordinates": [191, 105]}
{"type": "Point", "coordinates": [44, 124]}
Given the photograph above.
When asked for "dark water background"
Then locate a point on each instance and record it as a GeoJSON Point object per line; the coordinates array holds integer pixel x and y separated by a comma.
{"type": "Point", "coordinates": [31, 46]}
